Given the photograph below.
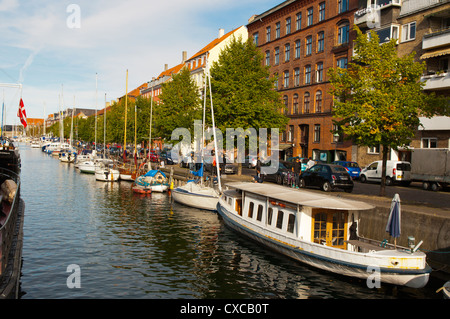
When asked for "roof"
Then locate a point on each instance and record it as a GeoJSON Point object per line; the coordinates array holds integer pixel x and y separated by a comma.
{"type": "Point", "coordinates": [300, 197]}
{"type": "Point", "coordinates": [437, 123]}
{"type": "Point", "coordinates": [173, 70]}
{"type": "Point", "coordinates": [270, 11]}
{"type": "Point", "coordinates": [212, 44]}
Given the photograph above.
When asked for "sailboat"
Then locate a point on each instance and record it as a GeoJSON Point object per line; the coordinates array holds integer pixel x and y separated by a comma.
{"type": "Point", "coordinates": [69, 155]}
{"type": "Point", "coordinates": [105, 171]}
{"type": "Point", "coordinates": [195, 193]}
{"type": "Point", "coordinates": [127, 172]}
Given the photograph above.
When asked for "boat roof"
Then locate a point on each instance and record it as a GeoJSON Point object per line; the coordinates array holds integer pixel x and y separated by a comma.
{"type": "Point", "coordinates": [300, 197]}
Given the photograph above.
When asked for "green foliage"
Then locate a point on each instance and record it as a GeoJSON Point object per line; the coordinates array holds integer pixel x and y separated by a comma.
{"type": "Point", "coordinates": [379, 98]}
{"type": "Point", "coordinates": [243, 93]}
{"type": "Point", "coordinates": [180, 105]}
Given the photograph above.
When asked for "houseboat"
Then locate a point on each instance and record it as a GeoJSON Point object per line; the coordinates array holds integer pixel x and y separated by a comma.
{"type": "Point", "coordinates": [319, 230]}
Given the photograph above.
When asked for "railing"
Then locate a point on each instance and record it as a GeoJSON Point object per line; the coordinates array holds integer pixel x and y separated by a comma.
{"type": "Point", "coordinates": [7, 230]}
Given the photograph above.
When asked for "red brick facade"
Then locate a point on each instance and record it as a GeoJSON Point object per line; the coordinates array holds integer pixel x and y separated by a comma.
{"type": "Point", "coordinates": [300, 58]}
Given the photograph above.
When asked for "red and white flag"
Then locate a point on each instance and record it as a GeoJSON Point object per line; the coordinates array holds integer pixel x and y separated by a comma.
{"type": "Point", "coordinates": [22, 114]}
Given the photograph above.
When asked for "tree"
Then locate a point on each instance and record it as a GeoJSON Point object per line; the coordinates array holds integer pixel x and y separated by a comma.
{"type": "Point", "coordinates": [379, 98]}
{"type": "Point", "coordinates": [180, 105]}
{"type": "Point", "coordinates": [243, 92]}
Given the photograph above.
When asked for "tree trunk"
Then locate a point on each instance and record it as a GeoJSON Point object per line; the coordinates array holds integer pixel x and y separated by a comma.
{"type": "Point", "coordinates": [383, 171]}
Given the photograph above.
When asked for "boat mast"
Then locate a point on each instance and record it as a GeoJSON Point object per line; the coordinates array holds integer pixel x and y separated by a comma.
{"type": "Point", "coordinates": [214, 128]}
{"type": "Point", "coordinates": [126, 103]}
{"type": "Point", "coordinates": [95, 138]}
{"type": "Point", "coordinates": [104, 131]}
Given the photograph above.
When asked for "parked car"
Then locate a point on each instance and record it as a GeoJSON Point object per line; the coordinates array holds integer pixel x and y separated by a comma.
{"type": "Point", "coordinates": [230, 168]}
{"type": "Point", "coordinates": [352, 168]}
{"type": "Point", "coordinates": [281, 176]}
{"type": "Point", "coordinates": [166, 157]}
{"type": "Point", "coordinates": [327, 177]}
{"type": "Point", "coordinates": [396, 172]}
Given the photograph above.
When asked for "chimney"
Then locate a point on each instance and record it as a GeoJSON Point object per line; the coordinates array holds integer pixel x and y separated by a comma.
{"type": "Point", "coordinates": [221, 33]}
{"type": "Point", "coordinates": [166, 66]}
{"type": "Point", "coordinates": [183, 56]}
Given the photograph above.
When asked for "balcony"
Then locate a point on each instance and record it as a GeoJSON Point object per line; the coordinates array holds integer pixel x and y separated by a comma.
{"type": "Point", "coordinates": [436, 81]}
{"type": "Point", "coordinates": [370, 16]}
{"type": "Point", "coordinates": [436, 39]}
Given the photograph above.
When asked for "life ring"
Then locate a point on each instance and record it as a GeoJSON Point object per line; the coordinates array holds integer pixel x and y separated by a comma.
{"type": "Point", "coordinates": [159, 179]}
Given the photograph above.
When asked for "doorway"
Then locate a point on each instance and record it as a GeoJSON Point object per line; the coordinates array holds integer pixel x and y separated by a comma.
{"type": "Point", "coordinates": [330, 228]}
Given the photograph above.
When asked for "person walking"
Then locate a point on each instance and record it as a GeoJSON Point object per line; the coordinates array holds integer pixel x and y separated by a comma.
{"type": "Point", "coordinates": [297, 171]}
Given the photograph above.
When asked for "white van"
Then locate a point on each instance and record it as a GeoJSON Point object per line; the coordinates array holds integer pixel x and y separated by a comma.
{"type": "Point", "coordinates": [396, 171]}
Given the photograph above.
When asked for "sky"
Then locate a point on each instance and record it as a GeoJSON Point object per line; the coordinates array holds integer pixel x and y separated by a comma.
{"type": "Point", "coordinates": [77, 53]}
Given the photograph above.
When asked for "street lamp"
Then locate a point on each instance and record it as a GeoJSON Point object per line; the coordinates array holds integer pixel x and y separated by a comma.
{"type": "Point", "coordinates": [336, 139]}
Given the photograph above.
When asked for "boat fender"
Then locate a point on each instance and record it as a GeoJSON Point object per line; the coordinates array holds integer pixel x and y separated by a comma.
{"type": "Point", "coordinates": [383, 243]}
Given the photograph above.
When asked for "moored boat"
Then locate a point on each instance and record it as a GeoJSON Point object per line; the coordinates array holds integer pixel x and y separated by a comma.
{"type": "Point", "coordinates": [195, 195]}
{"type": "Point", "coordinates": [319, 230]}
{"type": "Point", "coordinates": [154, 179]}
{"type": "Point", "coordinates": [106, 173]}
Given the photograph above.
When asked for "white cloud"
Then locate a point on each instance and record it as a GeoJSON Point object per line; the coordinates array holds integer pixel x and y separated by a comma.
{"type": "Point", "coordinates": [114, 36]}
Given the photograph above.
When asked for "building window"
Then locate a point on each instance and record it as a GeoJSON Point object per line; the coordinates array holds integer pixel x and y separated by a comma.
{"type": "Point", "coordinates": [343, 32]}
{"type": "Point", "coordinates": [275, 83]}
{"type": "Point", "coordinates": [343, 5]}
{"type": "Point", "coordinates": [320, 41]}
{"type": "Point", "coordinates": [288, 25]}
{"type": "Point", "coordinates": [287, 52]}
{"type": "Point", "coordinates": [277, 30]}
{"type": "Point", "coordinates": [429, 142]}
{"type": "Point", "coordinates": [296, 76]}
{"type": "Point", "coordinates": [373, 149]}
{"type": "Point", "coordinates": [316, 133]}
{"type": "Point", "coordinates": [268, 34]}
{"type": "Point", "coordinates": [319, 72]}
{"type": "Point", "coordinates": [310, 17]}
{"type": "Point", "coordinates": [286, 104]}
{"type": "Point", "coordinates": [256, 38]}
{"type": "Point", "coordinates": [319, 101]}
{"type": "Point", "coordinates": [297, 49]}
{"type": "Point", "coordinates": [295, 104]}
{"type": "Point", "coordinates": [309, 45]}
{"type": "Point", "coordinates": [286, 79]}
{"type": "Point", "coordinates": [308, 74]}
{"type": "Point", "coordinates": [409, 31]}
{"type": "Point", "coordinates": [291, 133]}
{"type": "Point", "coordinates": [277, 56]}
{"type": "Point", "coordinates": [268, 58]}
{"type": "Point", "coordinates": [388, 33]}
{"type": "Point", "coordinates": [321, 11]}
{"type": "Point", "coordinates": [298, 21]}
{"type": "Point", "coordinates": [306, 102]}
{"type": "Point", "coordinates": [342, 63]}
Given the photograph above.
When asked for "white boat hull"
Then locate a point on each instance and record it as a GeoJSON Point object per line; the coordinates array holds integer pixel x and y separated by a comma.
{"type": "Point", "coordinates": [107, 175]}
{"type": "Point", "coordinates": [374, 265]}
{"type": "Point", "coordinates": [195, 200]}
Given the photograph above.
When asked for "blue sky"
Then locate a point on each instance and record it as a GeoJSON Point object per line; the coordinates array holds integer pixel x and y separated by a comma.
{"type": "Point", "coordinates": [42, 47]}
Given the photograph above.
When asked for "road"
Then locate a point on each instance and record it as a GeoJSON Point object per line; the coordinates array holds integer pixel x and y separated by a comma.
{"type": "Point", "coordinates": [413, 194]}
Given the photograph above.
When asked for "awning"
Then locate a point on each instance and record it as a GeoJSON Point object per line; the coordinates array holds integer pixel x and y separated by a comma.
{"type": "Point", "coordinates": [435, 53]}
{"type": "Point", "coordinates": [284, 146]}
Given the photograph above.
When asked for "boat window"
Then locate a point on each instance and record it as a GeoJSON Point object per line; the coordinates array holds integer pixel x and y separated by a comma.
{"type": "Point", "coordinates": [338, 231]}
{"type": "Point", "coordinates": [260, 211]}
{"type": "Point", "coordinates": [320, 227]}
{"type": "Point", "coordinates": [291, 223]}
{"type": "Point", "coordinates": [230, 201]}
{"type": "Point", "coordinates": [269, 216]}
{"type": "Point", "coordinates": [280, 219]}
{"type": "Point", "coordinates": [250, 210]}
{"type": "Point", "coordinates": [239, 206]}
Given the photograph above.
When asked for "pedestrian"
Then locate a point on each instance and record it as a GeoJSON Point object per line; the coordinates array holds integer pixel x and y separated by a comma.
{"type": "Point", "coordinates": [297, 171]}
{"type": "Point", "coordinates": [258, 178]}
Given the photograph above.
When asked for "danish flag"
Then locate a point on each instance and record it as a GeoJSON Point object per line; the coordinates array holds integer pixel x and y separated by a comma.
{"type": "Point", "coordinates": [22, 114]}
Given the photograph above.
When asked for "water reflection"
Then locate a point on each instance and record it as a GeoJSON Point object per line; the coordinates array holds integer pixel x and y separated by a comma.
{"type": "Point", "coordinates": [135, 246]}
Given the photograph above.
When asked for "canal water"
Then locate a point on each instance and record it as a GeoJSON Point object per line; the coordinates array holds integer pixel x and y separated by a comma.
{"type": "Point", "coordinates": [135, 246]}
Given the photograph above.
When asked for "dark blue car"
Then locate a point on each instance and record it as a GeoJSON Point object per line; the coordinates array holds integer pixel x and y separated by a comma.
{"type": "Point", "coordinates": [352, 168]}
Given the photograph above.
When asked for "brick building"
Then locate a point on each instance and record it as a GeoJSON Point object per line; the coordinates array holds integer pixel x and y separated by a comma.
{"type": "Point", "coordinates": [300, 41]}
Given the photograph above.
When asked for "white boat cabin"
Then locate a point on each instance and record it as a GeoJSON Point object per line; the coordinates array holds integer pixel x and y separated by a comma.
{"type": "Point", "coordinates": [281, 215]}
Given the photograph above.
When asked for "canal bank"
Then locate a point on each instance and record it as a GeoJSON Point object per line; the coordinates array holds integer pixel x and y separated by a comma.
{"type": "Point", "coordinates": [424, 223]}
